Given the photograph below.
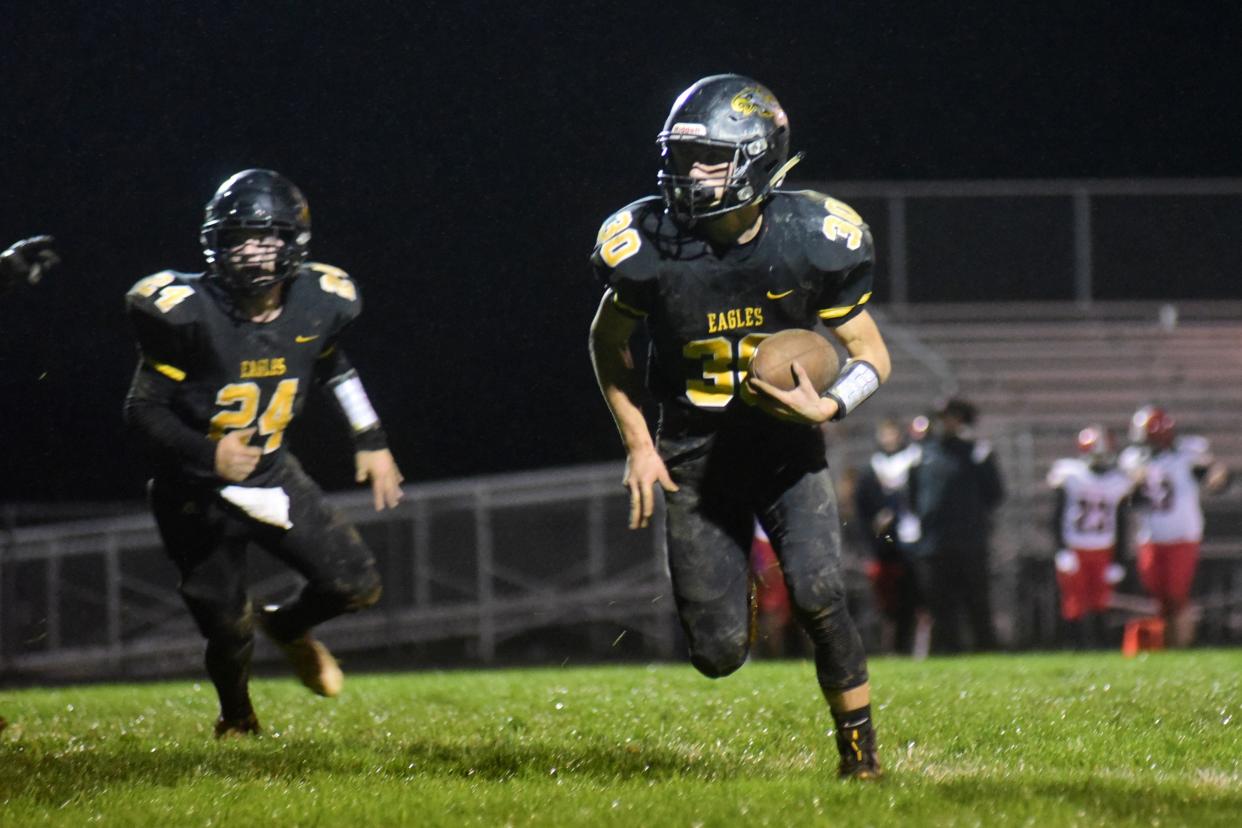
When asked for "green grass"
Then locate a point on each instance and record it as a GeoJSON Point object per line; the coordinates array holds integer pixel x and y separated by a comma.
{"type": "Point", "coordinates": [1001, 740]}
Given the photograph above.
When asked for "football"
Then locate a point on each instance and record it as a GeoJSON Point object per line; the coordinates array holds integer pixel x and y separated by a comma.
{"type": "Point", "coordinates": [774, 358]}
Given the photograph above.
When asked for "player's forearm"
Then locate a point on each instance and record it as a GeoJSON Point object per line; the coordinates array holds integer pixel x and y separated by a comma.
{"type": "Point", "coordinates": [354, 404]}
{"type": "Point", "coordinates": [1058, 518]}
{"type": "Point", "coordinates": [336, 374]}
{"type": "Point", "coordinates": [618, 380]}
{"type": "Point", "coordinates": [862, 340]}
{"type": "Point", "coordinates": [148, 413]}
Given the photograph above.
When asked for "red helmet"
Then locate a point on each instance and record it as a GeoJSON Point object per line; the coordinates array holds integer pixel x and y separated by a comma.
{"type": "Point", "coordinates": [1096, 443]}
{"type": "Point", "coordinates": [1151, 426]}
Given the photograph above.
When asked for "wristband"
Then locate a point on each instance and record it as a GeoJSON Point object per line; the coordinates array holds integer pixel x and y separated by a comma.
{"type": "Point", "coordinates": [857, 381]}
{"type": "Point", "coordinates": [354, 402]}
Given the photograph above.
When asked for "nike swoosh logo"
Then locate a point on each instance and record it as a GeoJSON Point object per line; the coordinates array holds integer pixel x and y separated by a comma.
{"type": "Point", "coordinates": [782, 295]}
{"type": "Point", "coordinates": [300, 339]}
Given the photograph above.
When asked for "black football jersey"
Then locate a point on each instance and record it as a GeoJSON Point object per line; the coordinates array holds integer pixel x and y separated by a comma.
{"type": "Point", "coordinates": [706, 309]}
{"type": "Point", "coordinates": [232, 373]}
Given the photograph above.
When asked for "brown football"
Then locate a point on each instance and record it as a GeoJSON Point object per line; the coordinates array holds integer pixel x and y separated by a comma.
{"type": "Point", "coordinates": [774, 358]}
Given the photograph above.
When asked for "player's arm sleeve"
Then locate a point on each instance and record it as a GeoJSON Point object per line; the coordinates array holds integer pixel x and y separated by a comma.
{"type": "Point", "coordinates": [845, 255]}
{"type": "Point", "coordinates": [841, 306]}
{"type": "Point", "coordinates": [333, 370]}
{"type": "Point", "coordinates": [843, 303]}
{"type": "Point", "coordinates": [1058, 517]}
{"type": "Point", "coordinates": [336, 374]}
{"type": "Point", "coordinates": [1122, 534]}
{"type": "Point", "coordinates": [628, 296]}
{"type": "Point", "coordinates": [148, 404]}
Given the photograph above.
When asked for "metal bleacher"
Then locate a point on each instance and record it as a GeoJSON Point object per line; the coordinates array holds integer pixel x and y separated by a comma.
{"type": "Point", "coordinates": [1039, 372]}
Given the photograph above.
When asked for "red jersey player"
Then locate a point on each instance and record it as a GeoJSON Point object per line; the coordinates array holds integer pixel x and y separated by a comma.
{"type": "Point", "coordinates": [1091, 498]}
{"type": "Point", "coordinates": [1170, 471]}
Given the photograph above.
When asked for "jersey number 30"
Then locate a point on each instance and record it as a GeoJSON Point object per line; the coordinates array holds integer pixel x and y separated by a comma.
{"type": "Point", "coordinates": [723, 365]}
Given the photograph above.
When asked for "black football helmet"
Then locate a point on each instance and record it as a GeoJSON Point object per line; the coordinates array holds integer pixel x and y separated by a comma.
{"type": "Point", "coordinates": [249, 201]}
{"type": "Point", "coordinates": [723, 118]}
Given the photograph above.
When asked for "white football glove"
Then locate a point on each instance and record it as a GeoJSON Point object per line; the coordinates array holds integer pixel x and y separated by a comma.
{"type": "Point", "coordinates": [1066, 561]}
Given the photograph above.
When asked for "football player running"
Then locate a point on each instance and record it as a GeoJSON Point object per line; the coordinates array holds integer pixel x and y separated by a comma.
{"type": "Point", "coordinates": [720, 260]}
{"type": "Point", "coordinates": [1089, 521]}
{"type": "Point", "coordinates": [1170, 470]}
{"type": "Point", "coordinates": [226, 361]}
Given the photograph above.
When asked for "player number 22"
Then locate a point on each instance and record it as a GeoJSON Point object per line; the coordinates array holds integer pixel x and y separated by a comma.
{"type": "Point", "coordinates": [723, 364]}
{"type": "Point", "coordinates": [241, 400]}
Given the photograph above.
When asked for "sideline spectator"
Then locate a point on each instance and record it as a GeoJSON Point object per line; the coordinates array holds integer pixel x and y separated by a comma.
{"type": "Point", "coordinates": [891, 530]}
{"type": "Point", "coordinates": [954, 489]}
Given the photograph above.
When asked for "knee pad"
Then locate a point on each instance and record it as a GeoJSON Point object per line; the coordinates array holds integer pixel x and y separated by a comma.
{"type": "Point", "coordinates": [817, 595]}
{"type": "Point", "coordinates": [350, 592]}
{"type": "Point", "coordinates": [719, 657]}
{"type": "Point", "coordinates": [366, 595]}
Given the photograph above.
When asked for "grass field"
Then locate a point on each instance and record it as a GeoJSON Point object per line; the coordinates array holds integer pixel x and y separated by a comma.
{"type": "Point", "coordinates": [1000, 740]}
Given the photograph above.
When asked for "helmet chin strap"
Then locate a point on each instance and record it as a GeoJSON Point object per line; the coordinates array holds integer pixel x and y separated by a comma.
{"type": "Point", "coordinates": [778, 177]}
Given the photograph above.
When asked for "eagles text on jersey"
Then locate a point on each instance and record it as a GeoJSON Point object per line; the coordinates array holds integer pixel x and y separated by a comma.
{"type": "Point", "coordinates": [232, 373]}
{"type": "Point", "coordinates": [708, 308]}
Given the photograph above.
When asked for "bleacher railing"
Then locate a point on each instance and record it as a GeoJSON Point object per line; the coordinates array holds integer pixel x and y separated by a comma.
{"type": "Point", "coordinates": [481, 561]}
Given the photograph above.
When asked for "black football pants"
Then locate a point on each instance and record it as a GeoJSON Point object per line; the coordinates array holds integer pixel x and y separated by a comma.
{"type": "Point", "coordinates": [208, 538]}
{"type": "Point", "coordinates": [777, 472]}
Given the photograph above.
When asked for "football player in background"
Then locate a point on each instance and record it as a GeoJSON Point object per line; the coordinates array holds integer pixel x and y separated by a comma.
{"type": "Point", "coordinates": [1089, 521]}
{"type": "Point", "coordinates": [720, 260]}
{"type": "Point", "coordinates": [226, 361]}
{"type": "Point", "coordinates": [890, 529]}
{"type": "Point", "coordinates": [1170, 470]}
{"type": "Point", "coordinates": [25, 262]}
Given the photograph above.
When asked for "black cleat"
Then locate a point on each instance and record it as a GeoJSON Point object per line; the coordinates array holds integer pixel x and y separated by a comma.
{"type": "Point", "coordinates": [859, 759]}
{"type": "Point", "coordinates": [235, 728]}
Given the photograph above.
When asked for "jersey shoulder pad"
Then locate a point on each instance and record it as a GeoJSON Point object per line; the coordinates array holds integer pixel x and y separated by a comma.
{"type": "Point", "coordinates": [835, 236]}
{"type": "Point", "coordinates": [1063, 471]}
{"type": "Point", "coordinates": [628, 240]}
{"type": "Point", "coordinates": [1133, 458]}
{"type": "Point", "coordinates": [1193, 446]}
{"type": "Point", "coordinates": [169, 296]}
{"type": "Point", "coordinates": [328, 290]}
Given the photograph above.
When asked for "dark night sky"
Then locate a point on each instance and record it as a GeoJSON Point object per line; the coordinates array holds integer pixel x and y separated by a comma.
{"type": "Point", "coordinates": [460, 156]}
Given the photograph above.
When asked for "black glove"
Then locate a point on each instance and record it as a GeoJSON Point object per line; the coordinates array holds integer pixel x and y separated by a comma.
{"type": "Point", "coordinates": [27, 261]}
